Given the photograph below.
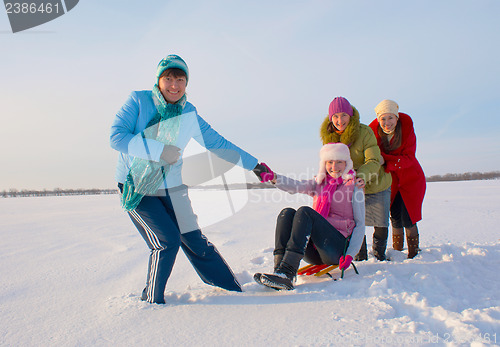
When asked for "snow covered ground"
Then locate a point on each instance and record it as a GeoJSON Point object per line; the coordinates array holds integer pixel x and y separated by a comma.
{"type": "Point", "coordinates": [72, 269]}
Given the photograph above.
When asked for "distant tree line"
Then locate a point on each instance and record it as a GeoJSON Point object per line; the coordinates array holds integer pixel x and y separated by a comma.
{"type": "Point", "coordinates": [13, 193]}
{"type": "Point", "coordinates": [468, 176]}
{"type": "Point", "coordinates": [234, 186]}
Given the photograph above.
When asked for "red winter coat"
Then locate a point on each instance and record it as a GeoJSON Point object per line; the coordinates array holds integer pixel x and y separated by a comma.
{"type": "Point", "coordinates": [407, 175]}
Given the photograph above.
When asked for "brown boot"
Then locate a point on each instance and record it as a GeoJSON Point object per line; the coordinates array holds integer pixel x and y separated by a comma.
{"type": "Point", "coordinates": [397, 238]}
{"type": "Point", "coordinates": [412, 239]}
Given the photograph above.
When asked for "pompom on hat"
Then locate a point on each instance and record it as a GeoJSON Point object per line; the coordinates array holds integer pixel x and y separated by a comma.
{"type": "Point", "coordinates": [340, 104]}
{"type": "Point", "coordinates": [334, 151]}
{"type": "Point", "coordinates": [172, 61]}
{"type": "Point", "coordinates": [387, 106]}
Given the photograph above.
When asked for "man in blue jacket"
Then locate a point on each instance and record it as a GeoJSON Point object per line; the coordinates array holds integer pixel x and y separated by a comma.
{"type": "Point", "coordinates": [150, 132]}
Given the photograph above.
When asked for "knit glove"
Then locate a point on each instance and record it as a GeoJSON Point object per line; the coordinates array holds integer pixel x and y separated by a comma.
{"type": "Point", "coordinates": [263, 172]}
{"type": "Point", "coordinates": [345, 262]}
{"type": "Point", "coordinates": [170, 154]}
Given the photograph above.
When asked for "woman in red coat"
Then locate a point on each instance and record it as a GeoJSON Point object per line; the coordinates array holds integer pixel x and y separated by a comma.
{"type": "Point", "coordinates": [398, 144]}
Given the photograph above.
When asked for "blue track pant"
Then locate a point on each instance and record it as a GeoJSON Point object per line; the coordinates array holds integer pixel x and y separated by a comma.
{"type": "Point", "coordinates": [160, 220]}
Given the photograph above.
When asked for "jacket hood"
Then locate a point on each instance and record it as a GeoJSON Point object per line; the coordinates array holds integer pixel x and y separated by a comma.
{"type": "Point", "coordinates": [349, 135]}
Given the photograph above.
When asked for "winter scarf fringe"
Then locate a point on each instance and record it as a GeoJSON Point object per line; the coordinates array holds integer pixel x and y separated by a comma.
{"type": "Point", "coordinates": [146, 176]}
{"type": "Point", "coordinates": [348, 137]}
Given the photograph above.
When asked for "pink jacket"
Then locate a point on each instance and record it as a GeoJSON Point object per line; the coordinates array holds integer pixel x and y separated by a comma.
{"type": "Point", "coordinates": [341, 215]}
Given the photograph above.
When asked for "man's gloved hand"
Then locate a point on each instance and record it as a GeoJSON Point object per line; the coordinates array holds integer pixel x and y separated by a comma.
{"type": "Point", "coordinates": [170, 154]}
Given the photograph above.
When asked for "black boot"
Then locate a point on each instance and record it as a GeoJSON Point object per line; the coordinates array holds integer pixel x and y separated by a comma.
{"type": "Point", "coordinates": [363, 253]}
{"type": "Point", "coordinates": [283, 277]}
{"type": "Point", "coordinates": [278, 258]}
{"type": "Point", "coordinates": [380, 242]}
{"type": "Point", "coordinates": [277, 262]}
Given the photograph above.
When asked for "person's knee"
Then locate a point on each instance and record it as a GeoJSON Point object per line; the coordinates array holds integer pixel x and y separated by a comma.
{"type": "Point", "coordinates": [173, 242]}
{"type": "Point", "coordinates": [196, 241]}
{"type": "Point", "coordinates": [160, 240]}
{"type": "Point", "coordinates": [396, 223]}
{"type": "Point", "coordinates": [287, 212]}
{"type": "Point", "coordinates": [304, 210]}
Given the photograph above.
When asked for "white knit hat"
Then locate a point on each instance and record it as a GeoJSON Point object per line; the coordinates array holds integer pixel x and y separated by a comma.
{"type": "Point", "coordinates": [387, 106]}
{"type": "Point", "coordinates": [334, 151]}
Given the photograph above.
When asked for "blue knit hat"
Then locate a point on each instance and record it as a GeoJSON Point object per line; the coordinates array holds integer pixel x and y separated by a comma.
{"type": "Point", "coordinates": [172, 61]}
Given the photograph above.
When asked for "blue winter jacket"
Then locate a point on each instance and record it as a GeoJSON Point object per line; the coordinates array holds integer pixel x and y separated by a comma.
{"type": "Point", "coordinates": [133, 118]}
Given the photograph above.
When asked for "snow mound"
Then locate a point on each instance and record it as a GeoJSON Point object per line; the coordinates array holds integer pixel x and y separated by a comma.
{"type": "Point", "coordinates": [73, 269]}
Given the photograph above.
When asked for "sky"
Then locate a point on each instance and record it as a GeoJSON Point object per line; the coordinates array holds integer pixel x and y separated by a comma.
{"type": "Point", "coordinates": [262, 73]}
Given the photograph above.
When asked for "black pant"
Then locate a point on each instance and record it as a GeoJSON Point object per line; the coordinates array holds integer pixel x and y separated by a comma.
{"type": "Point", "coordinates": [400, 217]}
{"type": "Point", "coordinates": [307, 232]}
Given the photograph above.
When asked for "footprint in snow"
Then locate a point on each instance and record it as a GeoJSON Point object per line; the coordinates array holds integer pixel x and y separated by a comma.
{"type": "Point", "coordinates": [258, 260]}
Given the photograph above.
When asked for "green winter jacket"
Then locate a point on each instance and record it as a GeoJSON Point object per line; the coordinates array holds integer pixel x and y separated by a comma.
{"type": "Point", "coordinates": [365, 152]}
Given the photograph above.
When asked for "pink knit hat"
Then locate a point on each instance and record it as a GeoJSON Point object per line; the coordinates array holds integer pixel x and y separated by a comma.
{"type": "Point", "coordinates": [334, 151]}
{"type": "Point", "coordinates": [340, 104]}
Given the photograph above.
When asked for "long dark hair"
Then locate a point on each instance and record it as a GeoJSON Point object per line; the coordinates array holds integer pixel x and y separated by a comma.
{"type": "Point", "coordinates": [331, 128]}
{"type": "Point", "coordinates": [386, 140]}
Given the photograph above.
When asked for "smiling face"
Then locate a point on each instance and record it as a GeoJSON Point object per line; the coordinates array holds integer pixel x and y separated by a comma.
{"type": "Point", "coordinates": [335, 168]}
{"type": "Point", "coordinates": [172, 87]}
{"type": "Point", "coordinates": [340, 120]}
{"type": "Point", "coordinates": [388, 122]}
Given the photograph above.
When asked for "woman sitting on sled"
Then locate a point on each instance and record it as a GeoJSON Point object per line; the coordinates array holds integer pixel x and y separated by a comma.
{"type": "Point", "coordinates": [319, 235]}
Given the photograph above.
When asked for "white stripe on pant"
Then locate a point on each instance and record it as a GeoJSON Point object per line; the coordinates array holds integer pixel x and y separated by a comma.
{"type": "Point", "coordinates": [155, 254]}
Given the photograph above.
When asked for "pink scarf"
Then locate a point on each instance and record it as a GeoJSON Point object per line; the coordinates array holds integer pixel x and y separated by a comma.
{"type": "Point", "coordinates": [324, 200]}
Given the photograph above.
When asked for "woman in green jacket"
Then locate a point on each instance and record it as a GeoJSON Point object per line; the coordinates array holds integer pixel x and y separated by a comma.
{"type": "Point", "coordinates": [342, 125]}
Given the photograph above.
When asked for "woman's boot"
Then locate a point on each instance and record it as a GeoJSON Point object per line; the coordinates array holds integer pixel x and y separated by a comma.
{"type": "Point", "coordinates": [412, 239]}
{"type": "Point", "coordinates": [398, 238]}
{"type": "Point", "coordinates": [380, 242]}
{"type": "Point", "coordinates": [363, 253]}
{"type": "Point", "coordinates": [277, 262]}
{"type": "Point", "coordinates": [283, 277]}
